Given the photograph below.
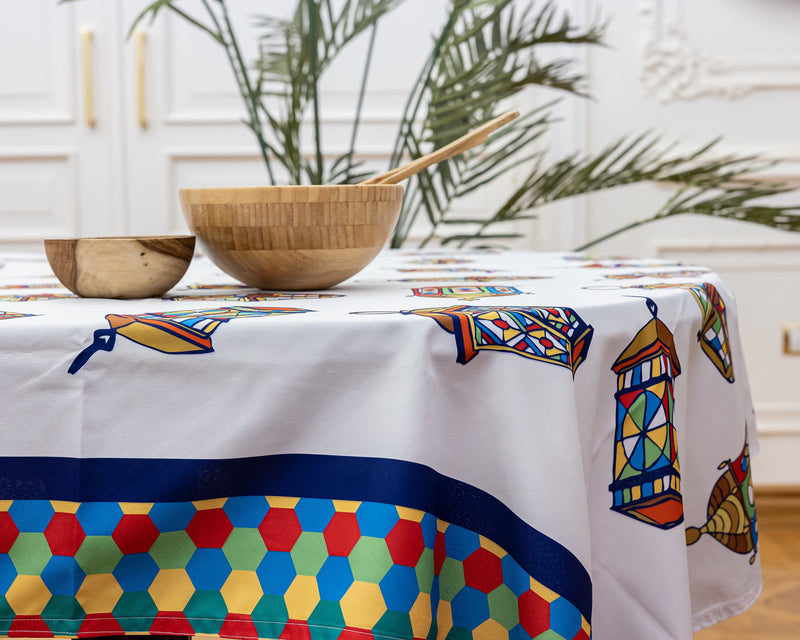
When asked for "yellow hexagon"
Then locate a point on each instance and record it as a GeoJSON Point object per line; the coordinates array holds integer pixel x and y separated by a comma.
{"type": "Point", "coordinates": [99, 593]}
{"type": "Point", "coordinates": [346, 506]}
{"type": "Point", "coordinates": [441, 525]}
{"type": "Point", "coordinates": [282, 502]}
{"type": "Point", "coordinates": [141, 508]}
{"type": "Point", "coordinates": [362, 605]}
{"type": "Point", "coordinates": [444, 618]}
{"type": "Point", "coordinates": [5, 504]}
{"type": "Point", "coordinates": [28, 595]}
{"type": "Point", "coordinates": [543, 592]}
{"type": "Point", "coordinates": [241, 591]}
{"type": "Point", "coordinates": [489, 630]}
{"type": "Point", "coordinates": [65, 506]}
{"type": "Point", "coordinates": [211, 503]}
{"type": "Point", "coordinates": [171, 589]}
{"type": "Point", "coordinates": [301, 597]}
{"type": "Point", "coordinates": [495, 548]}
{"type": "Point", "coordinates": [406, 513]}
{"type": "Point", "coordinates": [420, 615]}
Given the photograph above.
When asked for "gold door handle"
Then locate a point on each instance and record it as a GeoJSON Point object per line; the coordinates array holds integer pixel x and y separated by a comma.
{"type": "Point", "coordinates": [141, 101]}
{"type": "Point", "coordinates": [87, 38]}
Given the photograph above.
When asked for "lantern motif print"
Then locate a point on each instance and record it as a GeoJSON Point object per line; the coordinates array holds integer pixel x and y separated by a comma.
{"type": "Point", "coordinates": [466, 292]}
{"type": "Point", "coordinates": [731, 510]}
{"type": "Point", "coordinates": [646, 482]}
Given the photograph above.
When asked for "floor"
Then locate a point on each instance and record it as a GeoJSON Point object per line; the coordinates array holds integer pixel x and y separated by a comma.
{"type": "Point", "coordinates": [776, 614]}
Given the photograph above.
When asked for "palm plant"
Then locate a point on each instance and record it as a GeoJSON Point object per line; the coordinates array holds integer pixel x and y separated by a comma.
{"type": "Point", "coordinates": [486, 54]}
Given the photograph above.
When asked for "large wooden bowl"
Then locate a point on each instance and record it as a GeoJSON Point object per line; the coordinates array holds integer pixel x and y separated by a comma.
{"type": "Point", "coordinates": [120, 267]}
{"type": "Point", "coordinates": [295, 237]}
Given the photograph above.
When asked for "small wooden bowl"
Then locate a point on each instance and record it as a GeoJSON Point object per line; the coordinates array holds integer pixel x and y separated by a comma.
{"type": "Point", "coordinates": [295, 238]}
{"type": "Point", "coordinates": [120, 267]}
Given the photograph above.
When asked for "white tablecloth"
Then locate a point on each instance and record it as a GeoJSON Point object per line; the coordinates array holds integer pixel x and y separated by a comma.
{"type": "Point", "coordinates": [480, 444]}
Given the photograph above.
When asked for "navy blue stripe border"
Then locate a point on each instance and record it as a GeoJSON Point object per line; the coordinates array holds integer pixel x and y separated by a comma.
{"type": "Point", "coordinates": [384, 480]}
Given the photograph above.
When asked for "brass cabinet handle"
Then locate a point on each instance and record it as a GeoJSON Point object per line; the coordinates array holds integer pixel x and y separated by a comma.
{"type": "Point", "coordinates": [87, 38]}
{"type": "Point", "coordinates": [141, 101]}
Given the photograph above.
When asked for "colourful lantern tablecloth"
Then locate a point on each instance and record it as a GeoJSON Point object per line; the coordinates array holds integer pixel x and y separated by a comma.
{"type": "Point", "coordinates": [473, 444]}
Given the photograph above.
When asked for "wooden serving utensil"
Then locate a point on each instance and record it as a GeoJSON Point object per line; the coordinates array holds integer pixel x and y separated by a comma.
{"type": "Point", "coordinates": [458, 146]}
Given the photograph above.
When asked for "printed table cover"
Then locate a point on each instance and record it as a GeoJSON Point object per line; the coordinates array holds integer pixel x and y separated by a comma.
{"type": "Point", "coordinates": [452, 444]}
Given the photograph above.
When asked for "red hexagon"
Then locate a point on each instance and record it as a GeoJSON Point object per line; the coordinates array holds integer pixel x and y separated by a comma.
{"type": "Point", "coordinates": [135, 533]}
{"type": "Point", "coordinates": [64, 534]}
{"type": "Point", "coordinates": [209, 528]}
{"type": "Point", "coordinates": [534, 613]}
{"type": "Point", "coordinates": [405, 542]}
{"type": "Point", "coordinates": [295, 630]}
{"type": "Point", "coordinates": [28, 625]}
{"type": "Point", "coordinates": [342, 533]}
{"type": "Point", "coordinates": [352, 633]}
{"type": "Point", "coordinates": [280, 529]}
{"type": "Point", "coordinates": [99, 624]}
{"type": "Point", "coordinates": [8, 532]}
{"type": "Point", "coordinates": [238, 625]}
{"type": "Point", "coordinates": [582, 635]}
{"type": "Point", "coordinates": [483, 570]}
{"type": "Point", "coordinates": [171, 623]}
{"type": "Point", "coordinates": [439, 553]}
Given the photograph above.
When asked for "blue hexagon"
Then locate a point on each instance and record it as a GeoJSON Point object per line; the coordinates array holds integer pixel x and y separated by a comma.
{"type": "Point", "coordinates": [400, 588]}
{"type": "Point", "coordinates": [99, 518]}
{"type": "Point", "coordinates": [63, 575]}
{"type": "Point", "coordinates": [8, 572]}
{"type": "Point", "coordinates": [246, 511]}
{"type": "Point", "coordinates": [517, 632]}
{"type": "Point", "coordinates": [135, 571]}
{"type": "Point", "coordinates": [460, 542]}
{"type": "Point", "coordinates": [208, 569]}
{"type": "Point", "coordinates": [514, 576]}
{"type": "Point", "coordinates": [171, 516]}
{"type": "Point", "coordinates": [428, 524]}
{"type": "Point", "coordinates": [376, 519]}
{"type": "Point", "coordinates": [564, 618]}
{"type": "Point", "coordinates": [276, 572]}
{"type": "Point", "coordinates": [31, 515]}
{"type": "Point", "coordinates": [334, 578]}
{"type": "Point", "coordinates": [314, 514]}
{"type": "Point", "coordinates": [469, 607]}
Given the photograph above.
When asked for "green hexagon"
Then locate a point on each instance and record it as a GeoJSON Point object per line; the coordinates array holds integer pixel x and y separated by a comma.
{"type": "Point", "coordinates": [206, 611]}
{"type": "Point", "coordinates": [370, 559]}
{"type": "Point", "coordinates": [503, 606]}
{"type": "Point", "coordinates": [30, 553]}
{"type": "Point", "coordinates": [394, 624]}
{"type": "Point", "coordinates": [244, 549]}
{"type": "Point", "coordinates": [425, 571]}
{"type": "Point", "coordinates": [6, 616]}
{"type": "Point", "coordinates": [135, 611]}
{"type": "Point", "coordinates": [63, 615]}
{"type": "Point", "coordinates": [98, 554]}
{"type": "Point", "coordinates": [327, 615]}
{"type": "Point", "coordinates": [451, 579]}
{"type": "Point", "coordinates": [270, 616]}
{"type": "Point", "coordinates": [172, 550]}
{"type": "Point", "coordinates": [309, 553]}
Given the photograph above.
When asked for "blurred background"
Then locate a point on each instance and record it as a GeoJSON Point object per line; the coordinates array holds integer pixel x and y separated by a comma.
{"type": "Point", "coordinates": [99, 129]}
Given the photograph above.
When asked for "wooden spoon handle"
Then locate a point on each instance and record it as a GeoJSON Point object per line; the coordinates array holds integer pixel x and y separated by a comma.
{"type": "Point", "coordinates": [458, 146]}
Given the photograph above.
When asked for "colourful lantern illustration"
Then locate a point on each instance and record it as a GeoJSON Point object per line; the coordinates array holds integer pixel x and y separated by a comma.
{"type": "Point", "coordinates": [171, 331]}
{"type": "Point", "coordinates": [261, 296]}
{"type": "Point", "coordinates": [471, 279]}
{"type": "Point", "coordinates": [467, 292]}
{"type": "Point", "coordinates": [35, 297]}
{"type": "Point", "coordinates": [8, 315]}
{"type": "Point", "coordinates": [556, 335]}
{"type": "Point", "coordinates": [681, 273]}
{"type": "Point", "coordinates": [646, 482]}
{"type": "Point", "coordinates": [731, 510]}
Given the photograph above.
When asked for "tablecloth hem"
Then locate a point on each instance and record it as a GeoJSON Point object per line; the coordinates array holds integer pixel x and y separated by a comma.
{"type": "Point", "coordinates": [726, 610]}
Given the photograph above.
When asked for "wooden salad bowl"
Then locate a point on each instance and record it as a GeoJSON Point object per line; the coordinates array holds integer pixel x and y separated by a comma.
{"type": "Point", "coordinates": [293, 238]}
{"type": "Point", "coordinates": [120, 267]}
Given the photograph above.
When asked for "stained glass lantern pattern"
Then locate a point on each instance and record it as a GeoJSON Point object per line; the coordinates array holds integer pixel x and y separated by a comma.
{"type": "Point", "coordinates": [731, 514]}
{"type": "Point", "coordinates": [466, 292]}
{"type": "Point", "coordinates": [646, 482]}
{"type": "Point", "coordinates": [557, 335]}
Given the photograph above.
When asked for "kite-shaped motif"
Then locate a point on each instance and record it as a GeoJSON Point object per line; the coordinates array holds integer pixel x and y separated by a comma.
{"type": "Point", "coordinates": [171, 331]}
{"type": "Point", "coordinates": [467, 292]}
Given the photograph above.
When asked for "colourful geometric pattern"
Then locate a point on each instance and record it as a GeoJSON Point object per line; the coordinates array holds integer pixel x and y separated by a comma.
{"type": "Point", "coordinates": [172, 331]}
{"type": "Point", "coordinates": [731, 513]}
{"type": "Point", "coordinates": [681, 273]}
{"type": "Point", "coordinates": [466, 292]}
{"type": "Point", "coordinates": [556, 335]}
{"type": "Point", "coordinates": [266, 566]}
{"type": "Point", "coordinates": [260, 296]}
{"type": "Point", "coordinates": [9, 315]}
{"type": "Point", "coordinates": [36, 297]}
{"type": "Point", "coordinates": [646, 482]}
{"type": "Point", "coordinates": [471, 279]}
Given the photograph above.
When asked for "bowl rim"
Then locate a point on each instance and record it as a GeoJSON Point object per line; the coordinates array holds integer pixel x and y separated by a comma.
{"type": "Point", "coordinates": [290, 193]}
{"type": "Point", "coordinates": [126, 238]}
